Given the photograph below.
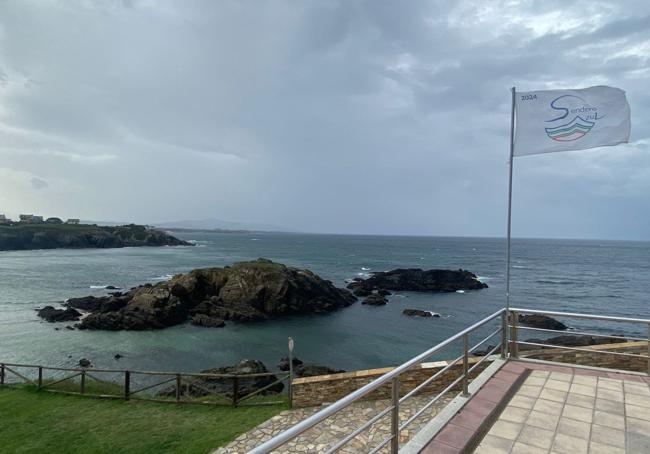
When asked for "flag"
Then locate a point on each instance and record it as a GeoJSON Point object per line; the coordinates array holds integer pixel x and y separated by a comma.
{"type": "Point", "coordinates": [562, 120]}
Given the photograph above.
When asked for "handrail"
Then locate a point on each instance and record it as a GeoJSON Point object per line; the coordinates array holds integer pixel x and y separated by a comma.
{"type": "Point", "coordinates": [342, 403]}
{"type": "Point", "coordinates": [608, 318]}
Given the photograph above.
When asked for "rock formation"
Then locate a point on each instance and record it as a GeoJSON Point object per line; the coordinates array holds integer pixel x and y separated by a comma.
{"type": "Point", "coordinates": [419, 313]}
{"type": "Point", "coordinates": [256, 290]}
{"type": "Point", "coordinates": [542, 321]}
{"type": "Point", "coordinates": [52, 314]}
{"type": "Point", "coordinates": [301, 369]}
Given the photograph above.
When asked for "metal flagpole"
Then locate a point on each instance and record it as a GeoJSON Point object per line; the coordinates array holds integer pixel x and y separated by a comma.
{"type": "Point", "coordinates": [512, 149]}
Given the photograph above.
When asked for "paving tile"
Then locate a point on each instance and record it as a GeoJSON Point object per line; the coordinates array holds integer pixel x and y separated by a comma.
{"type": "Point", "coordinates": [561, 376]}
{"type": "Point", "coordinates": [468, 419]}
{"type": "Point", "coordinates": [579, 413]}
{"type": "Point", "coordinates": [542, 420]}
{"type": "Point", "coordinates": [610, 395]}
{"type": "Point", "coordinates": [553, 394]}
{"type": "Point", "coordinates": [480, 406]}
{"type": "Point", "coordinates": [514, 414]}
{"type": "Point", "coordinates": [494, 445]}
{"type": "Point", "coordinates": [566, 444]}
{"type": "Point", "coordinates": [580, 401]}
{"type": "Point", "coordinates": [639, 426]}
{"type": "Point", "coordinates": [529, 391]}
{"type": "Point", "coordinates": [585, 390]}
{"type": "Point", "coordinates": [522, 402]}
{"type": "Point", "coordinates": [557, 385]}
{"type": "Point", "coordinates": [521, 448]}
{"type": "Point", "coordinates": [506, 429]}
{"type": "Point", "coordinates": [638, 412]}
{"type": "Point", "coordinates": [635, 399]}
{"type": "Point", "coordinates": [599, 448]}
{"type": "Point", "coordinates": [499, 383]}
{"type": "Point", "coordinates": [548, 406]}
{"type": "Point", "coordinates": [535, 381]}
{"type": "Point", "coordinates": [610, 406]}
{"type": "Point", "coordinates": [436, 447]}
{"type": "Point", "coordinates": [637, 443]}
{"type": "Point", "coordinates": [574, 428]}
{"type": "Point", "coordinates": [507, 376]}
{"type": "Point", "coordinates": [492, 393]}
{"type": "Point", "coordinates": [614, 385]}
{"type": "Point", "coordinates": [585, 380]}
{"type": "Point", "coordinates": [634, 388]}
{"type": "Point", "coordinates": [609, 420]}
{"type": "Point", "coordinates": [607, 436]}
{"type": "Point", "coordinates": [540, 373]}
{"type": "Point", "coordinates": [454, 435]}
{"type": "Point", "coordinates": [536, 436]}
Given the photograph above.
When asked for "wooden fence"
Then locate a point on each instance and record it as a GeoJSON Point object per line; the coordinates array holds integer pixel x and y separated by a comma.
{"type": "Point", "coordinates": [175, 387]}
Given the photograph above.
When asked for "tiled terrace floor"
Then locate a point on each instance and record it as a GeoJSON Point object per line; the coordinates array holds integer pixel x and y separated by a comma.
{"type": "Point", "coordinates": [557, 409]}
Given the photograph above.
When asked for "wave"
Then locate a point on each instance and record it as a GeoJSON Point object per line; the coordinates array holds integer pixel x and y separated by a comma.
{"type": "Point", "coordinates": [104, 287]}
{"type": "Point", "coordinates": [460, 291]}
{"type": "Point", "coordinates": [164, 277]}
{"type": "Point", "coordinates": [365, 269]}
{"type": "Point", "coordinates": [519, 266]}
{"type": "Point", "coordinates": [483, 278]}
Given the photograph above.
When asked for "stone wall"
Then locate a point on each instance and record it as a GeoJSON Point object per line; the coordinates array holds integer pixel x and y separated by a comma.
{"type": "Point", "coordinates": [325, 389]}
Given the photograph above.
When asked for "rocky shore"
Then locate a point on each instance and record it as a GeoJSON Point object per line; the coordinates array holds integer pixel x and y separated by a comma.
{"type": "Point", "coordinates": [57, 236]}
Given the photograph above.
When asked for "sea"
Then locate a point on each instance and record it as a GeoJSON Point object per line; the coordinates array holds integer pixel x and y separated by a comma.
{"type": "Point", "coordinates": [598, 277]}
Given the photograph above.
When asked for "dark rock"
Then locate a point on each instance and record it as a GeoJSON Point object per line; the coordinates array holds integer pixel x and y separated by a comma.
{"type": "Point", "coordinates": [361, 292]}
{"type": "Point", "coordinates": [542, 321]}
{"type": "Point", "coordinates": [200, 386]}
{"type": "Point", "coordinates": [246, 291]}
{"type": "Point", "coordinates": [375, 300]}
{"type": "Point", "coordinates": [301, 369]}
{"type": "Point", "coordinates": [117, 356]}
{"type": "Point", "coordinates": [85, 363]}
{"type": "Point", "coordinates": [574, 341]}
{"type": "Point", "coordinates": [52, 314]}
{"type": "Point", "coordinates": [419, 313]}
{"type": "Point", "coordinates": [112, 287]}
{"type": "Point", "coordinates": [283, 365]}
{"type": "Point", "coordinates": [207, 321]}
{"type": "Point", "coordinates": [417, 280]}
{"type": "Point", "coordinates": [384, 292]}
{"type": "Point", "coordinates": [69, 327]}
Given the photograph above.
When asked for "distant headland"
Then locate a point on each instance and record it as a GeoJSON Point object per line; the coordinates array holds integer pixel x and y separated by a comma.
{"type": "Point", "coordinates": [35, 232]}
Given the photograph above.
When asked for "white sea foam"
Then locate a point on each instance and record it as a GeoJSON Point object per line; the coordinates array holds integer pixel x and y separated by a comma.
{"type": "Point", "coordinates": [365, 269]}
{"type": "Point", "coordinates": [460, 291]}
{"type": "Point", "coordinates": [518, 266]}
{"type": "Point", "coordinates": [103, 287]}
{"type": "Point", "coordinates": [483, 278]}
{"type": "Point", "coordinates": [165, 277]}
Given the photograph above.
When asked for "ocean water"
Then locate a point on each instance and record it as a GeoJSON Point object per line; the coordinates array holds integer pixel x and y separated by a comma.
{"type": "Point", "coordinates": [603, 277]}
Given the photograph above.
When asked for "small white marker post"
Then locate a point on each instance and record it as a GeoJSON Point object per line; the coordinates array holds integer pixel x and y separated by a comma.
{"type": "Point", "coordinates": [291, 344]}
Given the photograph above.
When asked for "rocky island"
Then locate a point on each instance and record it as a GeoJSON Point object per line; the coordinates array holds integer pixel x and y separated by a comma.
{"type": "Point", "coordinates": [21, 236]}
{"type": "Point", "coordinates": [245, 291]}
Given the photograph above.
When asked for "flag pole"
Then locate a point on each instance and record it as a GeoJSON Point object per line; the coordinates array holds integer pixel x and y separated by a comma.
{"type": "Point", "coordinates": [512, 149]}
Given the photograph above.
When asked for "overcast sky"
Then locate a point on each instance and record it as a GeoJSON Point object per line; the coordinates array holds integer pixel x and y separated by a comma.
{"type": "Point", "coordinates": [385, 117]}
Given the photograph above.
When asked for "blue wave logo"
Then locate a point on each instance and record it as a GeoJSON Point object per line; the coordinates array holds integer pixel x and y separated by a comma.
{"type": "Point", "coordinates": [584, 118]}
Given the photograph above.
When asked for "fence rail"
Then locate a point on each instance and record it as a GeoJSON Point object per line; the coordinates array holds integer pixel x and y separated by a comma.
{"type": "Point", "coordinates": [175, 387]}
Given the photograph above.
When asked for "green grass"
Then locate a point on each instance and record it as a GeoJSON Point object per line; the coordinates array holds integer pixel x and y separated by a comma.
{"type": "Point", "coordinates": [33, 421]}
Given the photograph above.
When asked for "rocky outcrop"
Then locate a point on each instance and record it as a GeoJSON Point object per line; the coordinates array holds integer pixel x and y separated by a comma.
{"type": "Point", "coordinates": [375, 299]}
{"type": "Point", "coordinates": [417, 280]}
{"type": "Point", "coordinates": [542, 321]}
{"type": "Point", "coordinates": [51, 314]}
{"type": "Point", "coordinates": [224, 386]}
{"type": "Point", "coordinates": [566, 340]}
{"type": "Point", "coordinates": [246, 291]}
{"type": "Point", "coordinates": [419, 313]}
{"type": "Point", "coordinates": [48, 236]}
{"type": "Point", "coordinates": [301, 369]}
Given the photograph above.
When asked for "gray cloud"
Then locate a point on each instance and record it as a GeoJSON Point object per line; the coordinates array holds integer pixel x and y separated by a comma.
{"type": "Point", "coordinates": [338, 116]}
{"type": "Point", "coordinates": [37, 183]}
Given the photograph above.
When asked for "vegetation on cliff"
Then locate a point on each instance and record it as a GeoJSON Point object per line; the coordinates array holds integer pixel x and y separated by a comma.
{"type": "Point", "coordinates": [71, 236]}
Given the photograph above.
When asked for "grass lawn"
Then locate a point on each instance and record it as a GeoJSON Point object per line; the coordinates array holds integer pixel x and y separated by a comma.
{"type": "Point", "coordinates": [33, 421]}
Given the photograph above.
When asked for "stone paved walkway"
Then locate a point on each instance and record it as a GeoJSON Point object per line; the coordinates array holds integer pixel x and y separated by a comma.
{"type": "Point", "coordinates": [327, 433]}
{"type": "Point", "coordinates": [567, 413]}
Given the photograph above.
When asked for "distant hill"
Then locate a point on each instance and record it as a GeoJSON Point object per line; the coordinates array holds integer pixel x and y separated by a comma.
{"type": "Point", "coordinates": [54, 236]}
{"type": "Point", "coordinates": [219, 224]}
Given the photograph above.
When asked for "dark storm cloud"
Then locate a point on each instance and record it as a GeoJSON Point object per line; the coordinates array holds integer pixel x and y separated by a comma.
{"type": "Point", "coordinates": [339, 116]}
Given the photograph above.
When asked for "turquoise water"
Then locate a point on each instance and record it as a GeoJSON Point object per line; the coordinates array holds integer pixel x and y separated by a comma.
{"type": "Point", "coordinates": [604, 277]}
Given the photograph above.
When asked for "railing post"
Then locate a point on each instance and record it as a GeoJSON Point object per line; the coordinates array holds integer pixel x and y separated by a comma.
{"type": "Point", "coordinates": [504, 334]}
{"type": "Point", "coordinates": [465, 365]}
{"type": "Point", "coordinates": [40, 377]}
{"type": "Point", "coordinates": [648, 349]}
{"type": "Point", "coordinates": [83, 381]}
{"type": "Point", "coordinates": [178, 387]}
{"type": "Point", "coordinates": [235, 389]}
{"type": "Point", "coordinates": [127, 385]}
{"type": "Point", "coordinates": [394, 421]}
{"type": "Point", "coordinates": [2, 374]}
{"type": "Point", "coordinates": [514, 347]}
{"type": "Point", "coordinates": [290, 384]}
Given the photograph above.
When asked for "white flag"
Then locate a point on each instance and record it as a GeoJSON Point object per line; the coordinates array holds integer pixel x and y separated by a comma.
{"type": "Point", "coordinates": [562, 120]}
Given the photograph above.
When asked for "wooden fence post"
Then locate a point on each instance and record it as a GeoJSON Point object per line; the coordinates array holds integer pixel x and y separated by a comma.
{"type": "Point", "coordinates": [2, 374]}
{"type": "Point", "coordinates": [235, 389]}
{"type": "Point", "coordinates": [83, 381]}
{"type": "Point", "coordinates": [178, 387]}
{"type": "Point", "coordinates": [127, 385]}
{"type": "Point", "coordinates": [40, 377]}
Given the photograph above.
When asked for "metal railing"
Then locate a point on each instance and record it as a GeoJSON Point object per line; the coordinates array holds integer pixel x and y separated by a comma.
{"type": "Point", "coordinates": [392, 379]}
{"type": "Point", "coordinates": [175, 387]}
{"type": "Point", "coordinates": [515, 327]}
